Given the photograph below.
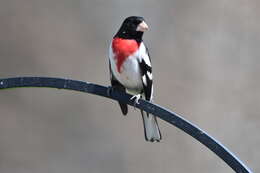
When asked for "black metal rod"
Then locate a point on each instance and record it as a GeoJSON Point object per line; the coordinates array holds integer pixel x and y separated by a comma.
{"type": "Point", "coordinates": [169, 116]}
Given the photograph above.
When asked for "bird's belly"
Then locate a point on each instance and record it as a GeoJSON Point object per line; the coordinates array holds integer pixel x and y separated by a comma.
{"type": "Point", "coordinates": [130, 75]}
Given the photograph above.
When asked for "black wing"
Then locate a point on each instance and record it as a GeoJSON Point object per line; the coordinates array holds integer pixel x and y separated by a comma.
{"type": "Point", "coordinates": [146, 76]}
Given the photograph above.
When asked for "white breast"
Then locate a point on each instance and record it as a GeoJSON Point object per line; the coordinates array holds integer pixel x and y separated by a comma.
{"type": "Point", "coordinates": [130, 75]}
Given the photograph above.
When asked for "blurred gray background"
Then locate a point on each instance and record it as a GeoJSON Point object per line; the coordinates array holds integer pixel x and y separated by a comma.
{"type": "Point", "coordinates": [205, 57]}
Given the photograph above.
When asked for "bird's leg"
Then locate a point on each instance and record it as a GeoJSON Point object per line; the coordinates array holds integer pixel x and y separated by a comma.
{"type": "Point", "coordinates": [136, 98]}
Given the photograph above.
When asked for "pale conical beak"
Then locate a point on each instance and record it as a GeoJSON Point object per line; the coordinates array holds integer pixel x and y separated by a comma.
{"type": "Point", "coordinates": [142, 27]}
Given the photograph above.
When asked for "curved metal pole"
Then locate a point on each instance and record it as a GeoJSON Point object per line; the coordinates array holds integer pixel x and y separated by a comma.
{"type": "Point", "coordinates": [154, 109]}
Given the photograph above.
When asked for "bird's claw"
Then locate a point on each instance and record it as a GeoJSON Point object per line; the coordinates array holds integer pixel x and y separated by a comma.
{"type": "Point", "coordinates": [136, 99]}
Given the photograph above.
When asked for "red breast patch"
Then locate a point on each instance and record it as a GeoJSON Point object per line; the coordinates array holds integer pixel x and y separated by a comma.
{"type": "Point", "coordinates": [123, 48]}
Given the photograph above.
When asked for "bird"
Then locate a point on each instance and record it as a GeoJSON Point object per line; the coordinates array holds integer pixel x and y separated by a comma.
{"type": "Point", "coordinates": [131, 70]}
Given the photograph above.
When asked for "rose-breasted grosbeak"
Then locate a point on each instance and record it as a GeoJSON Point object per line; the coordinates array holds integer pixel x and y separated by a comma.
{"type": "Point", "coordinates": [130, 69]}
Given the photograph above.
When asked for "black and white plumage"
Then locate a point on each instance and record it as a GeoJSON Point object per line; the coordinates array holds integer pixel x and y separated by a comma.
{"type": "Point", "coordinates": [131, 70]}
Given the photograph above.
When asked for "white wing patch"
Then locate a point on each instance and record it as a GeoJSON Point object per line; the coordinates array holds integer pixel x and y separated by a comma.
{"type": "Point", "coordinates": [151, 99]}
{"type": "Point", "coordinates": [143, 55]}
{"type": "Point", "coordinates": [150, 75]}
{"type": "Point", "coordinates": [144, 80]}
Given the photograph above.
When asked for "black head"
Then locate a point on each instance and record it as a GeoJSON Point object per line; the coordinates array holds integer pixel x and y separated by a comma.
{"type": "Point", "coordinates": [132, 28]}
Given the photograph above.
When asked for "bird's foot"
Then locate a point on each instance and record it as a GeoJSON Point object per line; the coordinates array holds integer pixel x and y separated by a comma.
{"type": "Point", "coordinates": [110, 90]}
{"type": "Point", "coordinates": [136, 99]}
